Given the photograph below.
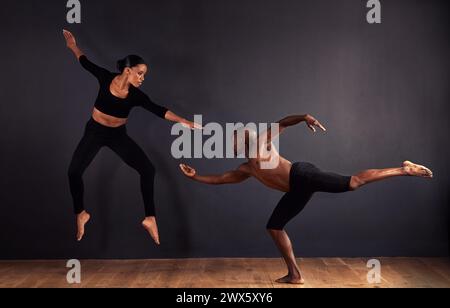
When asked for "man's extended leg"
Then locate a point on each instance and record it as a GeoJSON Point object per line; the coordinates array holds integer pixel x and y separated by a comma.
{"type": "Point", "coordinates": [372, 175]}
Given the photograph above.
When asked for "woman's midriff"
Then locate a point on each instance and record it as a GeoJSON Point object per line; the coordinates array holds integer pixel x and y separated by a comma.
{"type": "Point", "coordinates": [107, 120]}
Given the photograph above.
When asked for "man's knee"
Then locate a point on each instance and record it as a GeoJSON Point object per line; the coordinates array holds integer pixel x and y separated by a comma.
{"type": "Point", "coordinates": [273, 231]}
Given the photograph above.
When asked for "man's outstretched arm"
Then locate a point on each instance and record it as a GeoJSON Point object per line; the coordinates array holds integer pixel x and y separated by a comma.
{"type": "Point", "coordinates": [288, 121]}
{"type": "Point", "coordinates": [292, 120]}
{"type": "Point", "coordinates": [230, 177]}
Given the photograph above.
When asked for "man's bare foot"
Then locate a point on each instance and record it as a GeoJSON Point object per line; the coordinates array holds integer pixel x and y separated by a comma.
{"type": "Point", "coordinates": [82, 220]}
{"type": "Point", "coordinates": [291, 279]}
{"type": "Point", "coordinates": [417, 170]}
{"type": "Point", "coordinates": [150, 225]}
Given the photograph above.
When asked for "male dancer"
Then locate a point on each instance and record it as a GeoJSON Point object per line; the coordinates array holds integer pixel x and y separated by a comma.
{"type": "Point", "coordinates": [299, 181]}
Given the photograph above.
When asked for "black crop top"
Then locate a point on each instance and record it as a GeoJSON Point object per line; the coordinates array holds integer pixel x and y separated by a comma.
{"type": "Point", "coordinates": [115, 106]}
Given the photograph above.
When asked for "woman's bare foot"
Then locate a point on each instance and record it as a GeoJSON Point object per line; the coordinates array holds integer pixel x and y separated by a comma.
{"type": "Point", "coordinates": [291, 279]}
{"type": "Point", "coordinates": [417, 170]}
{"type": "Point", "coordinates": [150, 225]}
{"type": "Point", "coordinates": [82, 220]}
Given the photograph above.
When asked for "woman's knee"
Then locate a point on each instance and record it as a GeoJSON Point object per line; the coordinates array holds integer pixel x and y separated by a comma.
{"type": "Point", "coordinates": [147, 169]}
{"type": "Point", "coordinates": [74, 171]}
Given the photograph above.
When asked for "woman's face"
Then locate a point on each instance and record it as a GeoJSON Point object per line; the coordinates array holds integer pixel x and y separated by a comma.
{"type": "Point", "coordinates": [136, 74]}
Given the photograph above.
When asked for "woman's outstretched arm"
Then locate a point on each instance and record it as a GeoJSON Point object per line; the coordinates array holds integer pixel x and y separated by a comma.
{"type": "Point", "coordinates": [170, 116]}
{"type": "Point", "coordinates": [99, 72]}
{"type": "Point", "coordinates": [164, 113]}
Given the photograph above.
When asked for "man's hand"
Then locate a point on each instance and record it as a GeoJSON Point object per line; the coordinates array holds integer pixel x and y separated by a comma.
{"type": "Point", "coordinates": [230, 177]}
{"type": "Point", "coordinates": [188, 171]}
{"type": "Point", "coordinates": [313, 123]}
{"type": "Point", "coordinates": [70, 39]}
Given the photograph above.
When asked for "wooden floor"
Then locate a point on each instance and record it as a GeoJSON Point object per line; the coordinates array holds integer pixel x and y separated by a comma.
{"type": "Point", "coordinates": [226, 273]}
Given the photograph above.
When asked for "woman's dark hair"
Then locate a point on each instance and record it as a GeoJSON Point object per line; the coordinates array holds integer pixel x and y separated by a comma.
{"type": "Point", "coordinates": [129, 61]}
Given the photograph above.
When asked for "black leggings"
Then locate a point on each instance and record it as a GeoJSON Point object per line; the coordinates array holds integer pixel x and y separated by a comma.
{"type": "Point", "coordinates": [97, 136]}
{"type": "Point", "coordinates": [304, 180]}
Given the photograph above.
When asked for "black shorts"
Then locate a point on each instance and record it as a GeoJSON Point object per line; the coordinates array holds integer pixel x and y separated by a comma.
{"type": "Point", "coordinates": [304, 180]}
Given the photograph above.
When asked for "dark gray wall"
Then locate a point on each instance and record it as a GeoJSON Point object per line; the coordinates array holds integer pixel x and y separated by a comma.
{"type": "Point", "coordinates": [382, 91]}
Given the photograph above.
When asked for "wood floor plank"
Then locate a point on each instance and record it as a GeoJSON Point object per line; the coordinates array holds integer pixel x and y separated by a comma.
{"type": "Point", "coordinates": [226, 273]}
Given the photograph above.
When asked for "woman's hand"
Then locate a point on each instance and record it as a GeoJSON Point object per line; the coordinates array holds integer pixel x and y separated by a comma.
{"type": "Point", "coordinates": [188, 171]}
{"type": "Point", "coordinates": [170, 116]}
{"type": "Point", "coordinates": [70, 39]}
{"type": "Point", "coordinates": [72, 44]}
{"type": "Point", "coordinates": [191, 125]}
{"type": "Point", "coordinates": [313, 123]}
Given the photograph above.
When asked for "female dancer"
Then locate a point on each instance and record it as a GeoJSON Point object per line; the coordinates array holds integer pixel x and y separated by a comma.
{"type": "Point", "coordinates": [118, 94]}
